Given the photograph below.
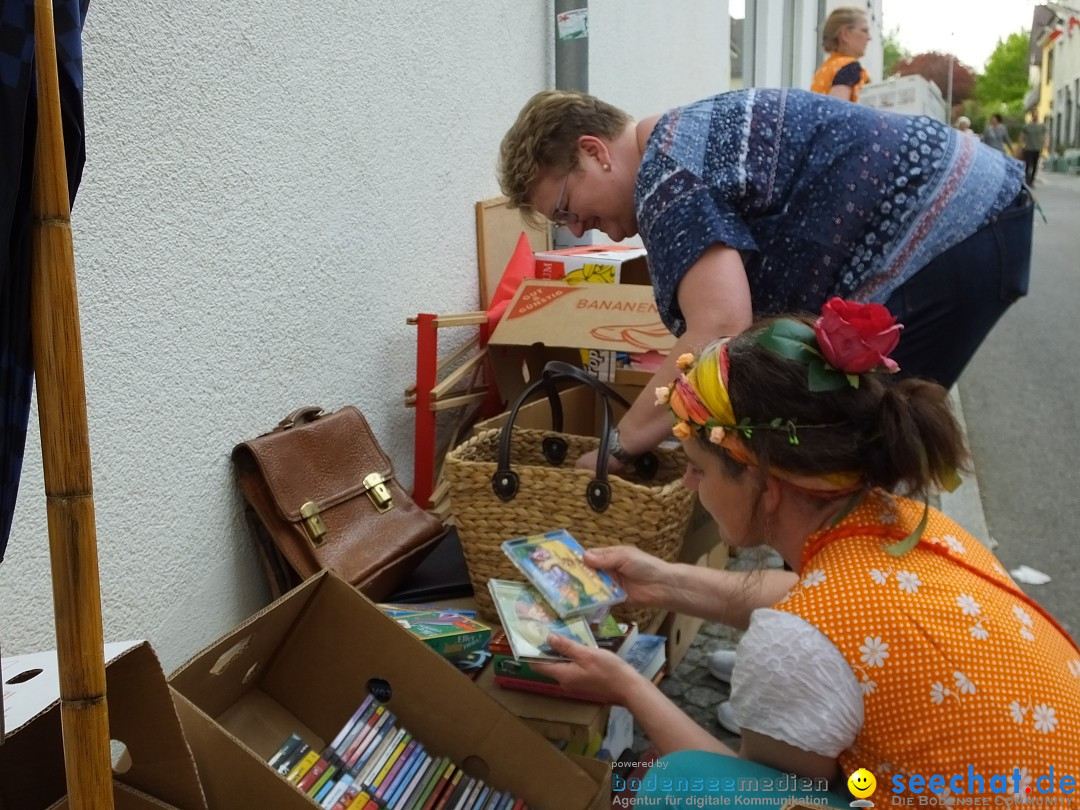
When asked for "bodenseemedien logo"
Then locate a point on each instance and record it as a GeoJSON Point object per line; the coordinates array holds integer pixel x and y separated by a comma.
{"type": "Point", "coordinates": [861, 784]}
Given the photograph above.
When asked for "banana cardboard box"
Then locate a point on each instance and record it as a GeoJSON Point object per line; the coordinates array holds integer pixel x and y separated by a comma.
{"type": "Point", "coordinates": [618, 323]}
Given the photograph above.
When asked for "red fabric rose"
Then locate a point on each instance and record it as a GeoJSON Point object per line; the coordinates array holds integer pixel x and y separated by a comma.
{"type": "Point", "coordinates": [855, 338]}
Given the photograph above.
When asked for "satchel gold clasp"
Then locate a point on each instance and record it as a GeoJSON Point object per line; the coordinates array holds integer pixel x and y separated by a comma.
{"type": "Point", "coordinates": [379, 493]}
{"type": "Point", "coordinates": [313, 523]}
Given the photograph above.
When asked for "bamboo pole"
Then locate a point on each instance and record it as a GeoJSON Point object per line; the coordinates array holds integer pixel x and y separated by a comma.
{"type": "Point", "coordinates": [65, 450]}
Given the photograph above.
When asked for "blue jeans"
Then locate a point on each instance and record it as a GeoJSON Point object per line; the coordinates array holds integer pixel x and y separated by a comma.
{"type": "Point", "coordinates": [693, 778]}
{"type": "Point", "coordinates": [951, 304]}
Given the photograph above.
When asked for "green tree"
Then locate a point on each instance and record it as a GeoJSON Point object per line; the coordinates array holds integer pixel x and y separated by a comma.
{"type": "Point", "coordinates": [893, 51]}
{"type": "Point", "coordinates": [1004, 79]}
{"type": "Point", "coordinates": [1001, 87]}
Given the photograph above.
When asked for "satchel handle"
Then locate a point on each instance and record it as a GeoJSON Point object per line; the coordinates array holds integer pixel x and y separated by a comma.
{"type": "Point", "coordinates": [505, 481]}
{"type": "Point", "coordinates": [301, 416]}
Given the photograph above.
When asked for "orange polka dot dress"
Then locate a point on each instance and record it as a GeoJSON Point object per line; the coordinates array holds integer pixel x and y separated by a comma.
{"type": "Point", "coordinates": [957, 666]}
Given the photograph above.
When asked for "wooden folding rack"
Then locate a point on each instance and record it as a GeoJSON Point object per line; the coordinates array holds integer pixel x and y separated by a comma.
{"type": "Point", "coordinates": [468, 385]}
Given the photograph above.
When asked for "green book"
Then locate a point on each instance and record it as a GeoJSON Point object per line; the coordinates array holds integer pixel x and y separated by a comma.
{"type": "Point", "coordinates": [449, 634]}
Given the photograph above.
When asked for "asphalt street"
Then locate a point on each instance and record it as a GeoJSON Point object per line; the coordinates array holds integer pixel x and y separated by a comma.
{"type": "Point", "coordinates": [1020, 401]}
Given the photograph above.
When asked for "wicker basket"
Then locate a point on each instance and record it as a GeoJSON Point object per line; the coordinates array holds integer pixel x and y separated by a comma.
{"type": "Point", "coordinates": [650, 514]}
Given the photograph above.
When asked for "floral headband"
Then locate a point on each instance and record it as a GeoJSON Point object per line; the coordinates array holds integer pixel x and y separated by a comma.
{"type": "Point", "coordinates": [848, 339]}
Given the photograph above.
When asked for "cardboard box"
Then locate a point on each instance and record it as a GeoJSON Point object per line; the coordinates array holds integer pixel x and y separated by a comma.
{"type": "Point", "coordinates": [610, 264]}
{"type": "Point", "coordinates": [603, 264]}
{"type": "Point", "coordinates": [563, 319]}
{"type": "Point", "coordinates": [616, 317]}
{"type": "Point", "coordinates": [153, 766]}
{"type": "Point", "coordinates": [574, 722]}
{"type": "Point", "coordinates": [702, 545]}
{"type": "Point", "coordinates": [308, 660]}
{"type": "Point", "coordinates": [702, 540]}
{"type": "Point", "coordinates": [125, 798]}
{"type": "Point", "coordinates": [679, 629]}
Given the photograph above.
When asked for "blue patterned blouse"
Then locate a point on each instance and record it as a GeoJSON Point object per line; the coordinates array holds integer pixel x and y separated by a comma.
{"type": "Point", "coordinates": [822, 197]}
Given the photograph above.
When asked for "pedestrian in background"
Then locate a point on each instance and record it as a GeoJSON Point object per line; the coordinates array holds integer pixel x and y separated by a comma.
{"type": "Point", "coordinates": [996, 135]}
{"type": "Point", "coordinates": [1032, 140]}
{"type": "Point", "coordinates": [844, 38]}
{"type": "Point", "coordinates": [963, 123]}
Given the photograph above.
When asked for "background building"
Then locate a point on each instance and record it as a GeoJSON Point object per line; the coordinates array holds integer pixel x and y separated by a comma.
{"type": "Point", "coordinates": [1055, 49]}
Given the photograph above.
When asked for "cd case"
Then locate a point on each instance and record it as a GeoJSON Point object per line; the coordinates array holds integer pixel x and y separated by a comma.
{"type": "Point", "coordinates": [554, 564]}
{"type": "Point", "coordinates": [528, 621]}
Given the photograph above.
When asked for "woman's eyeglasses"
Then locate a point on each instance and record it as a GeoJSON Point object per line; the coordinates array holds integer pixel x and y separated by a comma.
{"type": "Point", "coordinates": [560, 216]}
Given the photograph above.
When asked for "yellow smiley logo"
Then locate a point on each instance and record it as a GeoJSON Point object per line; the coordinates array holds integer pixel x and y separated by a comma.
{"type": "Point", "coordinates": [861, 783]}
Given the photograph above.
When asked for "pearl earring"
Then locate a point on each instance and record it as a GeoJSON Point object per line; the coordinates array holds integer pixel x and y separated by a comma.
{"type": "Point", "coordinates": [607, 167]}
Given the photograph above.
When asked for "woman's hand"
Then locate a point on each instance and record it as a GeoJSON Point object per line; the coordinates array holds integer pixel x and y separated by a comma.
{"type": "Point", "coordinates": [614, 466]}
{"type": "Point", "coordinates": [645, 578]}
{"type": "Point", "coordinates": [591, 671]}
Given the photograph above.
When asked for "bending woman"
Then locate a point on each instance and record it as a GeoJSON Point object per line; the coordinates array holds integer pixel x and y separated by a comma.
{"type": "Point", "coordinates": [772, 201]}
{"type": "Point", "coordinates": [898, 643]}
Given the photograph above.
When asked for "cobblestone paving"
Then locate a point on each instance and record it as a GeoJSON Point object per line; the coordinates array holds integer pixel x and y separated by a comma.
{"type": "Point", "coordinates": [694, 690]}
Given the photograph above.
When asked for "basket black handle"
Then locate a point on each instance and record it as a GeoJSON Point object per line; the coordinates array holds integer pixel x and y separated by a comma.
{"type": "Point", "coordinates": [647, 464]}
{"type": "Point", "coordinates": [505, 481]}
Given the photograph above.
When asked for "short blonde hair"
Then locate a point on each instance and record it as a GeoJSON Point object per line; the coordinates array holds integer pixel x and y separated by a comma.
{"type": "Point", "coordinates": [837, 21]}
{"type": "Point", "coordinates": [544, 138]}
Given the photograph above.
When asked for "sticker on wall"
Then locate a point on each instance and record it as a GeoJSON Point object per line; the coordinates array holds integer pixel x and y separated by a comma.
{"type": "Point", "coordinates": [573, 24]}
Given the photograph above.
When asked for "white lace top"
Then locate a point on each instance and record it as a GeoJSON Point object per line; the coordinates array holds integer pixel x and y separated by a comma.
{"type": "Point", "coordinates": [792, 684]}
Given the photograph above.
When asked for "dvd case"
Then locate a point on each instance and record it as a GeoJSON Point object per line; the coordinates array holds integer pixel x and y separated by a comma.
{"type": "Point", "coordinates": [528, 621]}
{"type": "Point", "coordinates": [554, 564]}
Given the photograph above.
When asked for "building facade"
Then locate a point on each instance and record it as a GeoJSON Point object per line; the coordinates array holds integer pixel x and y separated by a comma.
{"type": "Point", "coordinates": [1055, 99]}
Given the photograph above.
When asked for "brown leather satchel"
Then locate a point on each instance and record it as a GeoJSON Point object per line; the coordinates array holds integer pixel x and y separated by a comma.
{"type": "Point", "coordinates": [322, 494]}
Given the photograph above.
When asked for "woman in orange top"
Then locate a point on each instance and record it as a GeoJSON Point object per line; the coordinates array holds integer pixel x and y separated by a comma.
{"type": "Point", "coordinates": [897, 644]}
{"type": "Point", "coordinates": [846, 35]}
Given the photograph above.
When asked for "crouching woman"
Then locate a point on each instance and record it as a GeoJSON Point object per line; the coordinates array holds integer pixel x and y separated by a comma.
{"type": "Point", "coordinates": [898, 643]}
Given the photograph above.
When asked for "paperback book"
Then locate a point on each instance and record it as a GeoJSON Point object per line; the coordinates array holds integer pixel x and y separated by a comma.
{"type": "Point", "coordinates": [554, 564]}
{"type": "Point", "coordinates": [449, 634]}
{"type": "Point", "coordinates": [646, 653]}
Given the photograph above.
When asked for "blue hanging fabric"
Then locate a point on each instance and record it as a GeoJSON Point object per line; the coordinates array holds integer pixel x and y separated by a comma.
{"type": "Point", "coordinates": [18, 128]}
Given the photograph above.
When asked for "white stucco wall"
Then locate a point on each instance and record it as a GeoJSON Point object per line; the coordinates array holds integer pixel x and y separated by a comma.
{"type": "Point", "coordinates": [662, 55]}
{"type": "Point", "coordinates": [269, 193]}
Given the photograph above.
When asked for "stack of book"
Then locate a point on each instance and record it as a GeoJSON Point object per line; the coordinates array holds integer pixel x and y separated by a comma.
{"type": "Point", "coordinates": [376, 764]}
{"type": "Point", "coordinates": [646, 653]}
{"type": "Point", "coordinates": [453, 633]}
